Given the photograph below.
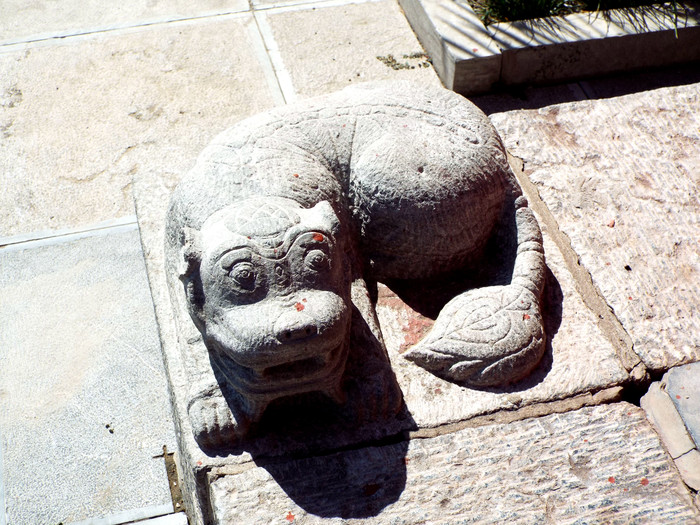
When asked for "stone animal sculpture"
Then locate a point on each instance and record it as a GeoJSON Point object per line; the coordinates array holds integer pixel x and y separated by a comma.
{"type": "Point", "coordinates": [284, 213]}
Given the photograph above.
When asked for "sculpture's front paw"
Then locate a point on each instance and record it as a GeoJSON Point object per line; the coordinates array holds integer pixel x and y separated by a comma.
{"type": "Point", "coordinates": [213, 423]}
{"type": "Point", "coordinates": [485, 337]}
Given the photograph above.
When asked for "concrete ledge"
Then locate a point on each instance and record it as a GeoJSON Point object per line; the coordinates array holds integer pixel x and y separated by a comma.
{"type": "Point", "coordinates": [470, 58]}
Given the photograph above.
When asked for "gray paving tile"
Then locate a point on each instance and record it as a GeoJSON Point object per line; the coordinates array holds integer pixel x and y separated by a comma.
{"type": "Point", "coordinates": [24, 21]}
{"type": "Point", "coordinates": [84, 406]}
{"type": "Point", "coordinates": [80, 117]}
{"type": "Point", "coordinates": [179, 518]}
{"type": "Point", "coordinates": [326, 49]}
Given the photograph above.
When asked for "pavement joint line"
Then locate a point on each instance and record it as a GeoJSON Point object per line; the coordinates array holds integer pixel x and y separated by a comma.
{"type": "Point", "coordinates": [51, 237]}
{"type": "Point", "coordinates": [3, 506]}
{"type": "Point", "coordinates": [265, 61]}
{"type": "Point", "coordinates": [126, 28]}
{"type": "Point", "coordinates": [502, 416]}
{"type": "Point", "coordinates": [284, 79]}
{"type": "Point", "coordinates": [609, 324]}
{"type": "Point", "coordinates": [11, 45]}
{"type": "Point", "coordinates": [129, 516]}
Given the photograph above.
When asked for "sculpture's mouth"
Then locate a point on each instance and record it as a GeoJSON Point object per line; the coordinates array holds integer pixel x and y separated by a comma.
{"type": "Point", "coordinates": [301, 375]}
{"type": "Point", "coordinates": [295, 369]}
{"type": "Point", "coordinates": [293, 377]}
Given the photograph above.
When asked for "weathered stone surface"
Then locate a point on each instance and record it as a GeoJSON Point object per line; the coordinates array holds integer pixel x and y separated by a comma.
{"type": "Point", "coordinates": [23, 21]}
{"type": "Point", "coordinates": [329, 48]}
{"type": "Point", "coordinates": [84, 405]}
{"type": "Point", "coordinates": [79, 119]}
{"type": "Point", "coordinates": [620, 176]}
{"type": "Point", "coordinates": [668, 423]}
{"type": "Point", "coordinates": [152, 196]}
{"type": "Point", "coordinates": [595, 465]}
{"type": "Point", "coordinates": [683, 387]}
{"type": "Point", "coordinates": [578, 358]}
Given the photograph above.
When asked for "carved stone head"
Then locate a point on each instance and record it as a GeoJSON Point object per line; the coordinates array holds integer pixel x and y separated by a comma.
{"type": "Point", "coordinates": [268, 286]}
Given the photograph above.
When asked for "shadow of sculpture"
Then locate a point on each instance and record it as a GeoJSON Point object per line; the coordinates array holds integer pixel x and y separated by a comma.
{"type": "Point", "coordinates": [312, 422]}
{"type": "Point", "coordinates": [331, 458]}
{"type": "Point", "coordinates": [353, 484]}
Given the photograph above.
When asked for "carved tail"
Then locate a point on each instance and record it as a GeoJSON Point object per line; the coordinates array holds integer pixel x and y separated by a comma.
{"type": "Point", "coordinates": [495, 335]}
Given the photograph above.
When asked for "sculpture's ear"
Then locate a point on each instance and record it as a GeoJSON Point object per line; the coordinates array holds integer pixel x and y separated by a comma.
{"type": "Point", "coordinates": [188, 272]}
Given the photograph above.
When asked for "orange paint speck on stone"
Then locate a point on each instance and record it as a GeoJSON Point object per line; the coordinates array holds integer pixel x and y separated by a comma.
{"type": "Point", "coordinates": [611, 479]}
{"type": "Point", "coordinates": [644, 482]}
{"type": "Point", "coordinates": [318, 237]}
{"type": "Point", "coordinates": [526, 317]}
{"type": "Point", "coordinates": [299, 307]}
{"type": "Point", "coordinates": [290, 517]}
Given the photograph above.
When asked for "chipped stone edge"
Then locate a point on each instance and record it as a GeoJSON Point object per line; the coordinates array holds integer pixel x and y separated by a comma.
{"type": "Point", "coordinates": [608, 323]}
{"type": "Point", "coordinates": [503, 416]}
{"type": "Point", "coordinates": [470, 58]}
{"type": "Point", "coordinates": [668, 424]}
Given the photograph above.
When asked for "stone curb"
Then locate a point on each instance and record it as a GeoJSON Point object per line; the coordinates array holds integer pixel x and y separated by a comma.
{"type": "Point", "coordinates": [471, 58]}
{"type": "Point", "coordinates": [669, 424]}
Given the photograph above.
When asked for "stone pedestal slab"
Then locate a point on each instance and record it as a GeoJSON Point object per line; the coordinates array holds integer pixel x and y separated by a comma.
{"type": "Point", "coordinates": [595, 465]}
{"type": "Point", "coordinates": [620, 178]}
{"type": "Point", "coordinates": [579, 359]}
{"type": "Point", "coordinates": [580, 368]}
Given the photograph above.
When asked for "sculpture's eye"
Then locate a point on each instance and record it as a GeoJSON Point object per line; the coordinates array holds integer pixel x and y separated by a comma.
{"type": "Point", "coordinates": [317, 260]}
{"type": "Point", "coordinates": [243, 274]}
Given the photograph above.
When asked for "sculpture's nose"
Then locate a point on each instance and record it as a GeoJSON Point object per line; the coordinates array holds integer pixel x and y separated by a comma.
{"type": "Point", "coordinates": [294, 326]}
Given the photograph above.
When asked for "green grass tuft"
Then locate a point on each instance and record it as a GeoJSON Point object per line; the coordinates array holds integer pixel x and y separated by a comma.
{"type": "Point", "coordinates": [492, 11]}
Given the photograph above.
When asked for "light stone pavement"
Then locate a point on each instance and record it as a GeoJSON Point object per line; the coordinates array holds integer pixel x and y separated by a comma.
{"type": "Point", "coordinates": [104, 103]}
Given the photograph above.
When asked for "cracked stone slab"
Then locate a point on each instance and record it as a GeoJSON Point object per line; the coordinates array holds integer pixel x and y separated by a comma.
{"type": "Point", "coordinates": [84, 406]}
{"type": "Point", "coordinates": [578, 360]}
{"type": "Point", "coordinates": [620, 176]}
{"type": "Point", "coordinates": [80, 117]}
{"type": "Point", "coordinates": [596, 465]}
